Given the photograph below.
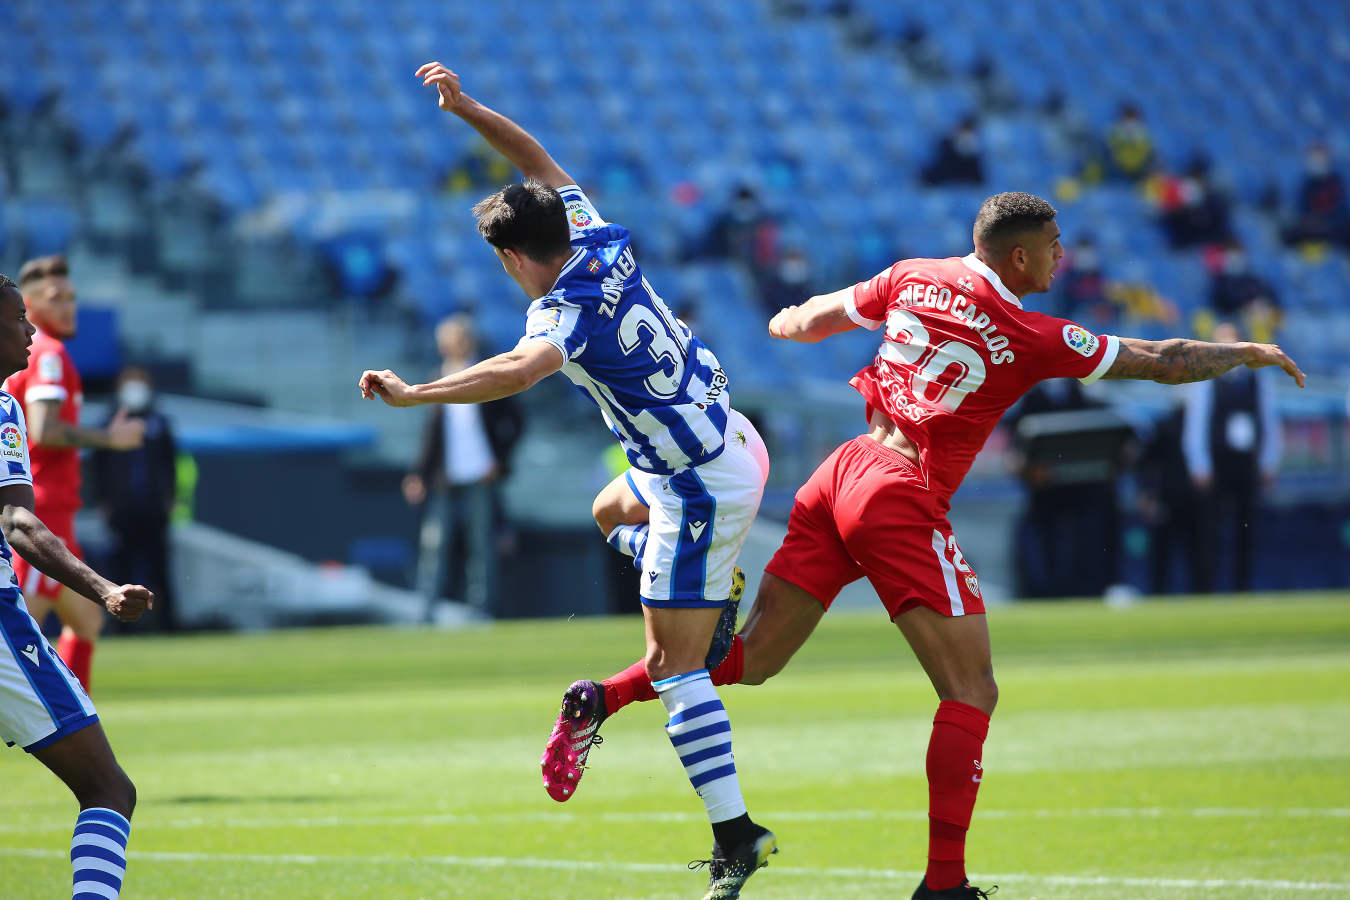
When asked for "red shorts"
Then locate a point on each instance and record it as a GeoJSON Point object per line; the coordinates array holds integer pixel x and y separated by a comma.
{"type": "Point", "coordinates": [867, 510]}
{"type": "Point", "coordinates": [32, 582]}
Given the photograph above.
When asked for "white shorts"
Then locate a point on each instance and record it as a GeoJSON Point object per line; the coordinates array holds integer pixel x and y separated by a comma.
{"type": "Point", "coordinates": [41, 700]}
{"type": "Point", "coordinates": [699, 519]}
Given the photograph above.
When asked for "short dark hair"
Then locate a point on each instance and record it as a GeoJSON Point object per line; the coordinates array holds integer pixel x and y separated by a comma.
{"type": "Point", "coordinates": [43, 267]}
{"type": "Point", "coordinates": [1005, 217]}
{"type": "Point", "coordinates": [7, 283]}
{"type": "Point", "coordinates": [529, 217]}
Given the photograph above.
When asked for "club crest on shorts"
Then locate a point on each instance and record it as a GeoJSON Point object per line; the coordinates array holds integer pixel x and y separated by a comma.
{"type": "Point", "coordinates": [973, 584]}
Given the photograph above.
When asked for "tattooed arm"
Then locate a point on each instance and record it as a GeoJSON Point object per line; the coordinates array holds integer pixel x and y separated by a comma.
{"type": "Point", "coordinates": [1178, 360]}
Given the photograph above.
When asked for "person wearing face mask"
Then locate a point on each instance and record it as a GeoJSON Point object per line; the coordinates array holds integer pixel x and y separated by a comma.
{"type": "Point", "coordinates": [1323, 213]}
{"type": "Point", "coordinates": [1237, 291]}
{"type": "Point", "coordinates": [957, 159]}
{"type": "Point", "coordinates": [134, 490]}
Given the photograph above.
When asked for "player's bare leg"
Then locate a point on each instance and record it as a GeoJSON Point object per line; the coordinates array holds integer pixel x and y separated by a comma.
{"type": "Point", "coordinates": [85, 762]}
{"type": "Point", "coordinates": [779, 623]}
{"type": "Point", "coordinates": [954, 651]}
{"type": "Point", "coordinates": [82, 622]}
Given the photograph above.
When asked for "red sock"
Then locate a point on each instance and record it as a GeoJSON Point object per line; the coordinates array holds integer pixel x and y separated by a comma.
{"type": "Point", "coordinates": [954, 775]}
{"type": "Point", "coordinates": [78, 654]}
{"type": "Point", "coordinates": [633, 685]}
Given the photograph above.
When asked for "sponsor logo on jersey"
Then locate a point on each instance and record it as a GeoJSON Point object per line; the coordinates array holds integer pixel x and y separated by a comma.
{"type": "Point", "coordinates": [49, 367]}
{"type": "Point", "coordinates": [6, 403]}
{"type": "Point", "coordinates": [577, 215]}
{"type": "Point", "coordinates": [544, 321]}
{"type": "Point", "coordinates": [31, 651]}
{"type": "Point", "coordinates": [696, 529]}
{"type": "Point", "coordinates": [11, 442]}
{"type": "Point", "coordinates": [1080, 339]}
{"type": "Point", "coordinates": [593, 266]}
{"type": "Point", "coordinates": [966, 283]}
{"type": "Point", "coordinates": [719, 383]}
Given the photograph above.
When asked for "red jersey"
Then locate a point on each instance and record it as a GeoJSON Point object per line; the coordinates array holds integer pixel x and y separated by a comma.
{"type": "Point", "coordinates": [51, 376]}
{"type": "Point", "coordinates": [958, 350]}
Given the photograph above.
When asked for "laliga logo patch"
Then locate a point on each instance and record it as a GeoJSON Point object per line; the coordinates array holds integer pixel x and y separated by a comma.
{"type": "Point", "coordinates": [11, 442]}
{"type": "Point", "coordinates": [1080, 340]}
{"type": "Point", "coordinates": [578, 216]}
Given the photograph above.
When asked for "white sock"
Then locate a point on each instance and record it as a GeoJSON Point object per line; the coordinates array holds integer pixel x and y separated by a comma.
{"type": "Point", "coordinates": [701, 733]}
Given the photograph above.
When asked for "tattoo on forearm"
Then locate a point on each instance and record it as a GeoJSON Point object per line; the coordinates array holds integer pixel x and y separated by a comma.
{"type": "Point", "coordinates": [1176, 361]}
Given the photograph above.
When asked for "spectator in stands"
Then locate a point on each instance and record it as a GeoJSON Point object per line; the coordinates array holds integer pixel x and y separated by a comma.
{"type": "Point", "coordinates": [1235, 291]}
{"type": "Point", "coordinates": [789, 282]}
{"type": "Point", "coordinates": [1232, 442]}
{"type": "Point", "coordinates": [1082, 285]}
{"type": "Point", "coordinates": [1323, 212]}
{"type": "Point", "coordinates": [1068, 540]}
{"type": "Point", "coordinates": [745, 231]}
{"type": "Point", "coordinates": [998, 95]}
{"type": "Point", "coordinates": [477, 169]}
{"type": "Point", "coordinates": [1194, 210]}
{"type": "Point", "coordinates": [466, 452]}
{"type": "Point", "coordinates": [1129, 145]}
{"type": "Point", "coordinates": [136, 490]}
{"type": "Point", "coordinates": [957, 159]}
{"type": "Point", "coordinates": [924, 57]}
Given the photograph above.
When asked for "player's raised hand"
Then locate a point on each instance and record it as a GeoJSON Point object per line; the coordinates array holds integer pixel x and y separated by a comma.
{"type": "Point", "coordinates": [128, 602]}
{"type": "Point", "coordinates": [387, 386]}
{"type": "Point", "coordinates": [124, 432]}
{"type": "Point", "coordinates": [446, 81]}
{"type": "Point", "coordinates": [1272, 355]}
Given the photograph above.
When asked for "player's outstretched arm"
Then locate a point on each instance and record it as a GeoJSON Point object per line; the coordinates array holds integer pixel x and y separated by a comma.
{"type": "Point", "coordinates": [47, 429]}
{"type": "Point", "coordinates": [27, 535]}
{"type": "Point", "coordinates": [505, 136]}
{"type": "Point", "coordinates": [492, 379]}
{"type": "Point", "coordinates": [1179, 360]}
{"type": "Point", "coordinates": [814, 320]}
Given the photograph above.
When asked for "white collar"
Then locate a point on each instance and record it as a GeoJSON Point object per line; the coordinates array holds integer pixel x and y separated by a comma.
{"type": "Point", "coordinates": [976, 265]}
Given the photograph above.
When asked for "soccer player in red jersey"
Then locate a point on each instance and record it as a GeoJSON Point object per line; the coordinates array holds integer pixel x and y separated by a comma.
{"type": "Point", "coordinates": [51, 394]}
{"type": "Point", "coordinates": [957, 350]}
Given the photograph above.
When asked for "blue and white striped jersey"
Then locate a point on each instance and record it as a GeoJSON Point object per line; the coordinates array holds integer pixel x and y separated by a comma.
{"type": "Point", "coordinates": [662, 392]}
{"type": "Point", "coordinates": [15, 468]}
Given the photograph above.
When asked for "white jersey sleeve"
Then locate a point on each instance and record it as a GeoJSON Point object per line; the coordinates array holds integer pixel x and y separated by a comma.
{"type": "Point", "coordinates": [581, 214]}
{"type": "Point", "coordinates": [16, 468]}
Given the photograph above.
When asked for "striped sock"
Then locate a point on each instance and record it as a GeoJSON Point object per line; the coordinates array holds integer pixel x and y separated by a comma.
{"type": "Point", "coordinates": [630, 540]}
{"type": "Point", "coordinates": [701, 732]}
{"type": "Point", "coordinates": [98, 853]}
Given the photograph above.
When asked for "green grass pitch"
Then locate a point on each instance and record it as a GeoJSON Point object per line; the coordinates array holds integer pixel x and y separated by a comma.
{"type": "Point", "coordinates": [1170, 749]}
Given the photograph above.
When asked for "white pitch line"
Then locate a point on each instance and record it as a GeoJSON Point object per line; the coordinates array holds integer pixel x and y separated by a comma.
{"type": "Point", "coordinates": [503, 862]}
{"type": "Point", "coordinates": [567, 818]}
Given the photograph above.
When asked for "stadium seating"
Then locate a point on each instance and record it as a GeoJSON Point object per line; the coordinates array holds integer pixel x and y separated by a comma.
{"type": "Point", "coordinates": [276, 106]}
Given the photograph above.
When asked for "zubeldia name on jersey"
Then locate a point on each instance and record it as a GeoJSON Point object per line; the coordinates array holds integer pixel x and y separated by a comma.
{"type": "Point", "coordinates": [942, 299]}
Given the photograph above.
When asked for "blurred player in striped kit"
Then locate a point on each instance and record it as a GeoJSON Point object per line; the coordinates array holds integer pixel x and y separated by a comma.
{"type": "Point", "coordinates": [49, 389]}
{"type": "Point", "coordinates": [43, 708]}
{"type": "Point", "coordinates": [698, 467]}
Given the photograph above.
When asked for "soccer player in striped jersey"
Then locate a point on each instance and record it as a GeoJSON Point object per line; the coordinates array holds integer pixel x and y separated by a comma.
{"type": "Point", "coordinates": [698, 467]}
{"type": "Point", "coordinates": [43, 707]}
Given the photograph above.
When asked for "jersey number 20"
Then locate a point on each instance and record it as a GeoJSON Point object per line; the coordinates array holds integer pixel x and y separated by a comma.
{"type": "Point", "coordinates": [941, 374]}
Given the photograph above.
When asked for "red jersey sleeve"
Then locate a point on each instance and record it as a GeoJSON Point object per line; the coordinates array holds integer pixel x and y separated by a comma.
{"type": "Point", "coordinates": [866, 304]}
{"type": "Point", "coordinates": [1068, 350]}
{"type": "Point", "coordinates": [47, 378]}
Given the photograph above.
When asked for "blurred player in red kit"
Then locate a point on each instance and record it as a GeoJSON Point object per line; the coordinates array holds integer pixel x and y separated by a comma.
{"type": "Point", "coordinates": [957, 350]}
{"type": "Point", "coordinates": [52, 395]}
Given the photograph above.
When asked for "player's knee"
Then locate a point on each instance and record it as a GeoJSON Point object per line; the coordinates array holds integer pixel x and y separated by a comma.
{"type": "Point", "coordinates": [980, 691]}
{"type": "Point", "coordinates": [604, 514]}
